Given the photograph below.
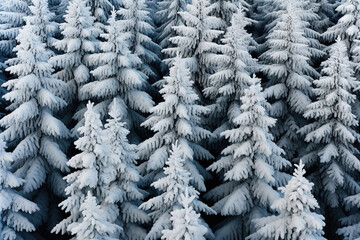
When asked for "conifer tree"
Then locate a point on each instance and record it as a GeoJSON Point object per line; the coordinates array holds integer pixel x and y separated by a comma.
{"type": "Point", "coordinates": [173, 186]}
{"type": "Point", "coordinates": [185, 221]}
{"type": "Point", "coordinates": [96, 171]}
{"type": "Point", "coordinates": [79, 35]}
{"type": "Point", "coordinates": [117, 76]}
{"type": "Point", "coordinates": [286, 64]}
{"type": "Point", "coordinates": [12, 13]}
{"type": "Point", "coordinates": [234, 67]}
{"type": "Point", "coordinates": [296, 219]}
{"type": "Point", "coordinates": [250, 165]}
{"type": "Point", "coordinates": [348, 28]}
{"type": "Point", "coordinates": [125, 190]}
{"type": "Point", "coordinates": [136, 22]}
{"type": "Point", "coordinates": [177, 118]}
{"type": "Point", "coordinates": [94, 224]}
{"type": "Point", "coordinates": [331, 152]}
{"type": "Point", "coordinates": [35, 134]}
{"type": "Point", "coordinates": [13, 204]}
{"type": "Point", "coordinates": [196, 39]}
{"type": "Point", "coordinates": [43, 19]}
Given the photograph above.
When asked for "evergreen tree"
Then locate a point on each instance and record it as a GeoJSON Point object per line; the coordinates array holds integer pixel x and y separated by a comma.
{"type": "Point", "coordinates": [117, 76]}
{"type": "Point", "coordinates": [331, 153]}
{"type": "Point", "coordinates": [79, 35]}
{"type": "Point", "coordinates": [296, 219]}
{"type": "Point", "coordinates": [195, 40]}
{"type": "Point", "coordinates": [286, 64]}
{"type": "Point", "coordinates": [94, 224]}
{"type": "Point", "coordinates": [173, 186]}
{"type": "Point", "coordinates": [250, 164]}
{"type": "Point", "coordinates": [136, 22]}
{"type": "Point", "coordinates": [234, 67]}
{"type": "Point", "coordinates": [125, 190]}
{"type": "Point", "coordinates": [185, 221]}
{"type": "Point", "coordinates": [96, 171]}
{"type": "Point", "coordinates": [176, 118]}
{"type": "Point", "coordinates": [12, 13]}
{"type": "Point", "coordinates": [35, 134]}
{"type": "Point", "coordinates": [43, 19]}
{"type": "Point", "coordinates": [12, 204]}
{"type": "Point", "coordinates": [348, 28]}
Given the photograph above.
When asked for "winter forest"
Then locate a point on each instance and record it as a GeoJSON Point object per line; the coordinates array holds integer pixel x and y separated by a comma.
{"type": "Point", "coordinates": [180, 119]}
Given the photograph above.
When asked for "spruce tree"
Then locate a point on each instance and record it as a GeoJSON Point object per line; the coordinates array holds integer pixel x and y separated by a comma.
{"type": "Point", "coordinates": [177, 118]}
{"type": "Point", "coordinates": [136, 22]}
{"type": "Point", "coordinates": [124, 189]}
{"type": "Point", "coordinates": [117, 76]}
{"type": "Point", "coordinates": [94, 224]}
{"type": "Point", "coordinates": [296, 219]}
{"type": "Point", "coordinates": [234, 67]}
{"type": "Point", "coordinates": [35, 134]}
{"type": "Point", "coordinates": [72, 65]}
{"type": "Point", "coordinates": [12, 13]}
{"type": "Point", "coordinates": [96, 171]}
{"type": "Point", "coordinates": [286, 65]}
{"type": "Point", "coordinates": [13, 205]}
{"type": "Point", "coordinates": [250, 166]}
{"type": "Point", "coordinates": [195, 40]}
{"type": "Point", "coordinates": [331, 154]}
{"type": "Point", "coordinates": [186, 222]}
{"type": "Point", "coordinates": [348, 28]}
{"type": "Point", "coordinates": [43, 19]}
{"type": "Point", "coordinates": [173, 186]}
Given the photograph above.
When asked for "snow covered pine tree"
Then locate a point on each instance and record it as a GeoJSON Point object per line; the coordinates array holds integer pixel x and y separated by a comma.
{"type": "Point", "coordinates": [124, 189]}
{"type": "Point", "coordinates": [96, 172]}
{"type": "Point", "coordinates": [331, 155]}
{"type": "Point", "coordinates": [250, 164]}
{"type": "Point", "coordinates": [173, 187]}
{"type": "Point", "coordinates": [12, 204]}
{"type": "Point", "coordinates": [32, 130]}
{"type": "Point", "coordinates": [116, 75]}
{"type": "Point", "coordinates": [295, 220]}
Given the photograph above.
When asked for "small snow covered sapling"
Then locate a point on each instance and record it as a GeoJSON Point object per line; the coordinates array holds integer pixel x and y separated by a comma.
{"type": "Point", "coordinates": [296, 219]}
